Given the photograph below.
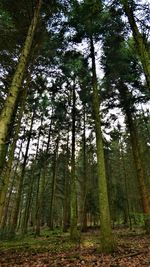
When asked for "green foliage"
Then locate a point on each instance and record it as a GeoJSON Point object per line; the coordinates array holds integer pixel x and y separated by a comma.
{"type": "Point", "coordinates": [54, 241]}
{"type": "Point", "coordinates": [119, 59]}
{"type": "Point", "coordinates": [85, 18]}
{"type": "Point", "coordinates": [7, 234]}
{"type": "Point", "coordinates": [5, 20]}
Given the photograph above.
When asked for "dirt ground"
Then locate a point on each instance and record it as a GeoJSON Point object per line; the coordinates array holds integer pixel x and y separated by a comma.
{"type": "Point", "coordinates": [132, 250]}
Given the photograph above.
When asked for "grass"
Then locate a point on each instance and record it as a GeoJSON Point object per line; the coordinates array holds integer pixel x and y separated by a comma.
{"type": "Point", "coordinates": [48, 241]}
{"type": "Point", "coordinates": [57, 241]}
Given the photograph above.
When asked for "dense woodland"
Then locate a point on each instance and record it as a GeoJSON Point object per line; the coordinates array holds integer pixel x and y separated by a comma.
{"type": "Point", "coordinates": [74, 117]}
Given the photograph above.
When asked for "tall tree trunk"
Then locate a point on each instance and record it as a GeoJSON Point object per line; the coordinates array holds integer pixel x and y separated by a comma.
{"type": "Point", "coordinates": [36, 220]}
{"type": "Point", "coordinates": [136, 153]}
{"type": "Point", "coordinates": [7, 170]}
{"type": "Point", "coordinates": [13, 173]}
{"type": "Point", "coordinates": [27, 208]}
{"type": "Point", "coordinates": [107, 240]}
{"type": "Point", "coordinates": [84, 182]}
{"type": "Point", "coordinates": [66, 202]}
{"type": "Point", "coordinates": [7, 202]}
{"type": "Point", "coordinates": [25, 217]}
{"type": "Point", "coordinates": [21, 178]}
{"type": "Point", "coordinates": [53, 185]}
{"type": "Point", "coordinates": [126, 189]}
{"type": "Point", "coordinates": [140, 42]}
{"type": "Point", "coordinates": [40, 201]}
{"type": "Point", "coordinates": [10, 103]}
{"type": "Point", "coordinates": [8, 138]}
{"type": "Point", "coordinates": [74, 235]}
{"type": "Point", "coordinates": [37, 211]}
{"type": "Point", "coordinates": [42, 181]}
{"type": "Point", "coordinates": [140, 173]}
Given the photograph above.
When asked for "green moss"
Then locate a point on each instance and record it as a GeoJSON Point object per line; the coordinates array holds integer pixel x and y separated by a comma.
{"type": "Point", "coordinates": [54, 241]}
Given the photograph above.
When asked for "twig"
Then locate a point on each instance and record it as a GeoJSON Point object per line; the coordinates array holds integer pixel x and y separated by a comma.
{"type": "Point", "coordinates": [129, 255]}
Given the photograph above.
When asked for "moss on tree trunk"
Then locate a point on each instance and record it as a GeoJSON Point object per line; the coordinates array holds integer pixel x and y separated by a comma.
{"type": "Point", "coordinates": [7, 170]}
{"type": "Point", "coordinates": [9, 105]}
{"type": "Point", "coordinates": [140, 42]}
{"type": "Point", "coordinates": [128, 107]}
{"type": "Point", "coordinates": [107, 239]}
{"type": "Point", "coordinates": [74, 234]}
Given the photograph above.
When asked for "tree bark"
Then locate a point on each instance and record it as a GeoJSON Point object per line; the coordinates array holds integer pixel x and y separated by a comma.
{"type": "Point", "coordinates": [21, 178]}
{"type": "Point", "coordinates": [136, 154]}
{"type": "Point", "coordinates": [42, 180]}
{"type": "Point", "coordinates": [107, 240]}
{"type": "Point", "coordinates": [9, 136]}
{"type": "Point", "coordinates": [8, 199]}
{"type": "Point", "coordinates": [30, 187]}
{"type": "Point", "coordinates": [53, 186]}
{"type": "Point", "coordinates": [9, 105]}
{"type": "Point", "coordinates": [126, 190]}
{"type": "Point", "coordinates": [6, 171]}
{"type": "Point", "coordinates": [84, 182]}
{"type": "Point", "coordinates": [140, 42]}
{"type": "Point", "coordinates": [66, 201]}
{"type": "Point", "coordinates": [74, 235]}
{"type": "Point", "coordinates": [40, 201]}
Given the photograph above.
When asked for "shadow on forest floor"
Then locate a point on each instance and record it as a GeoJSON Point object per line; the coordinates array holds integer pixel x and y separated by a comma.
{"type": "Point", "coordinates": [53, 249]}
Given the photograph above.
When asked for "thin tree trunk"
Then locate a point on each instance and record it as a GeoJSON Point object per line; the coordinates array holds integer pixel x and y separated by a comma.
{"type": "Point", "coordinates": [53, 186]}
{"type": "Point", "coordinates": [140, 42]}
{"type": "Point", "coordinates": [107, 240]}
{"type": "Point", "coordinates": [10, 103]}
{"type": "Point", "coordinates": [66, 202]}
{"type": "Point", "coordinates": [21, 178]}
{"type": "Point", "coordinates": [126, 189]}
{"type": "Point", "coordinates": [74, 235]}
{"type": "Point", "coordinates": [30, 187]}
{"type": "Point", "coordinates": [8, 200]}
{"type": "Point", "coordinates": [40, 201]}
{"type": "Point", "coordinates": [25, 218]}
{"type": "Point", "coordinates": [36, 223]}
{"type": "Point", "coordinates": [136, 155]}
{"type": "Point", "coordinates": [42, 181]}
{"type": "Point", "coordinates": [84, 182]}
{"type": "Point", "coordinates": [140, 174]}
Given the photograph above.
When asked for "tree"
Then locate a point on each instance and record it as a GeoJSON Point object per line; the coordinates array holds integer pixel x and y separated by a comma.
{"type": "Point", "coordinates": [119, 77]}
{"type": "Point", "coordinates": [7, 170]}
{"type": "Point", "coordinates": [9, 105]}
{"type": "Point", "coordinates": [88, 27]}
{"type": "Point", "coordinates": [139, 38]}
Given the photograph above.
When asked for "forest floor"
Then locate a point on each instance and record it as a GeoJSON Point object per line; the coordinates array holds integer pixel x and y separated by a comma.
{"type": "Point", "coordinates": [53, 249]}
